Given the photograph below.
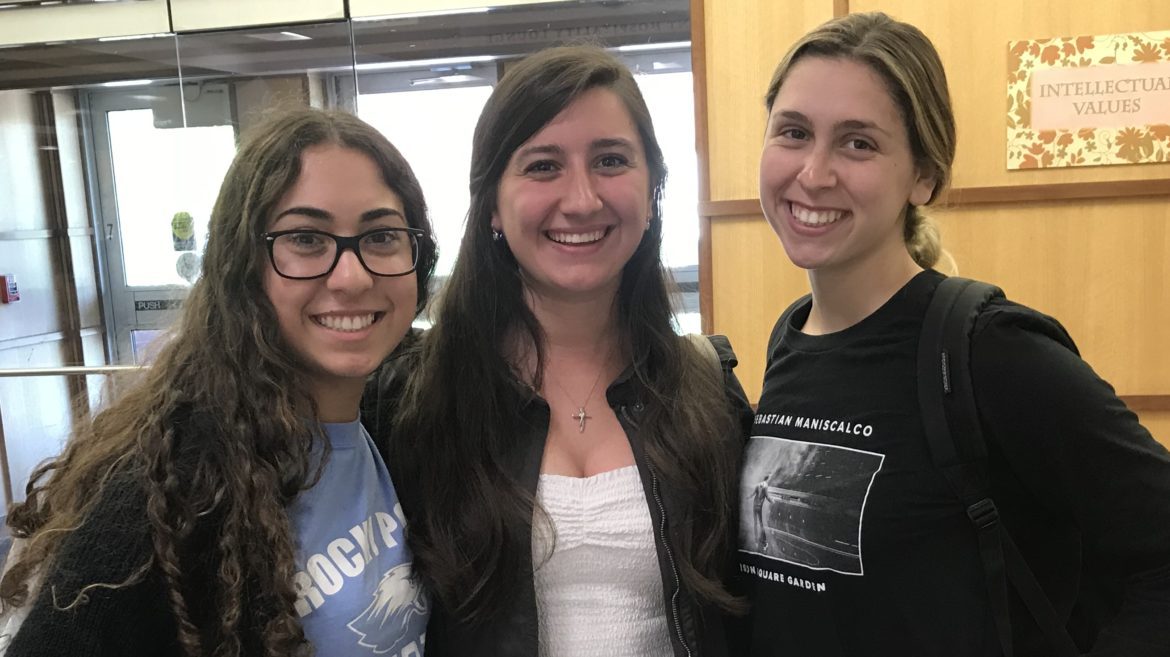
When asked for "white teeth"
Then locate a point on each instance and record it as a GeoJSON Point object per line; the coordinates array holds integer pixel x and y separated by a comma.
{"type": "Point", "coordinates": [576, 238]}
{"type": "Point", "coordinates": [815, 217]}
{"type": "Point", "coordinates": [345, 322]}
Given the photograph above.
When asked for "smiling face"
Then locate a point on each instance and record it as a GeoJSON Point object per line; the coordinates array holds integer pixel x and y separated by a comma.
{"type": "Point", "coordinates": [837, 171]}
{"type": "Point", "coordinates": [344, 324]}
{"type": "Point", "coordinates": [574, 200]}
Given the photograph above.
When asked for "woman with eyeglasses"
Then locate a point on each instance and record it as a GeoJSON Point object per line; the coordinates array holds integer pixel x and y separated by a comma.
{"type": "Point", "coordinates": [230, 502]}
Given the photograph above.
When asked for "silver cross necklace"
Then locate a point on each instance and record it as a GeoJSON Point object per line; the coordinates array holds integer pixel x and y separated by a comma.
{"type": "Point", "coordinates": [582, 416]}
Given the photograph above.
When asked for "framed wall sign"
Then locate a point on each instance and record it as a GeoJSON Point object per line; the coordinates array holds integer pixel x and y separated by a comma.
{"type": "Point", "coordinates": [1089, 100]}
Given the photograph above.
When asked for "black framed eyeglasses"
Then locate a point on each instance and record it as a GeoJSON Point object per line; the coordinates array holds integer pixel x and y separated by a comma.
{"type": "Point", "coordinates": [305, 254]}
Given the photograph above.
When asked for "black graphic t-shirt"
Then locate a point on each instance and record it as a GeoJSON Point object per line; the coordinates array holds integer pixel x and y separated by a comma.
{"type": "Point", "coordinates": [852, 544]}
{"type": "Point", "coordinates": [847, 517]}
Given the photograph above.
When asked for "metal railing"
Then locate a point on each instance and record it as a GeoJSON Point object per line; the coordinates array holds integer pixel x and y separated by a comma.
{"type": "Point", "coordinates": [81, 370]}
{"type": "Point", "coordinates": [68, 371]}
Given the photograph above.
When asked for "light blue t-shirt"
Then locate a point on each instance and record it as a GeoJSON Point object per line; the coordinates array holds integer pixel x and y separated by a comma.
{"type": "Point", "coordinates": [355, 595]}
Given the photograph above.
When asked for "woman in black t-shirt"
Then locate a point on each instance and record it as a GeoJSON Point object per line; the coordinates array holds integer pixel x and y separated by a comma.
{"type": "Point", "coordinates": [852, 542]}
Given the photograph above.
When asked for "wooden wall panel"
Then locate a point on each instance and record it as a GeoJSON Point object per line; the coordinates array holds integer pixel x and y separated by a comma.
{"type": "Point", "coordinates": [753, 281]}
{"type": "Point", "coordinates": [1100, 268]}
{"type": "Point", "coordinates": [1158, 422]}
{"type": "Point", "coordinates": [972, 41]}
{"type": "Point", "coordinates": [744, 40]}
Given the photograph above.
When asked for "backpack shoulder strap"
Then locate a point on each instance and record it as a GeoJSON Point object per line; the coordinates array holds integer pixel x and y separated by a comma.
{"type": "Point", "coordinates": [944, 381]}
{"type": "Point", "coordinates": [955, 437]}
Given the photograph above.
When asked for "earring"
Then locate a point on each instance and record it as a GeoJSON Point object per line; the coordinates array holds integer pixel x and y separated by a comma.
{"type": "Point", "coordinates": [497, 235]}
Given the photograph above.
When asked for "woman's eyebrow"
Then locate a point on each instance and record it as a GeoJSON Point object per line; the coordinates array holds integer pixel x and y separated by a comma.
{"type": "Point", "coordinates": [612, 142]}
{"type": "Point", "coordinates": [323, 215]}
{"type": "Point", "coordinates": [306, 211]}
{"type": "Point", "coordinates": [855, 124]}
{"type": "Point", "coordinates": [793, 115]}
{"type": "Point", "coordinates": [378, 213]}
{"type": "Point", "coordinates": [847, 124]}
{"type": "Point", "coordinates": [540, 149]}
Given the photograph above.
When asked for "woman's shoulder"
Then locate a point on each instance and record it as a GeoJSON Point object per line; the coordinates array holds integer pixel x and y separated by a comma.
{"type": "Point", "coordinates": [1023, 361]}
{"type": "Point", "coordinates": [113, 536]}
{"type": "Point", "coordinates": [719, 355]}
{"type": "Point", "coordinates": [1006, 320]}
{"type": "Point", "coordinates": [716, 349]}
{"type": "Point", "coordinates": [723, 349]}
{"type": "Point", "coordinates": [101, 576]}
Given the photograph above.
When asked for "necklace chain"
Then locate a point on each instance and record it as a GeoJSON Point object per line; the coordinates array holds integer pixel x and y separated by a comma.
{"type": "Point", "coordinates": [582, 416]}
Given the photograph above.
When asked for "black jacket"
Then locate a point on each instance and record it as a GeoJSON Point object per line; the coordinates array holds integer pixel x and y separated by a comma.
{"type": "Point", "coordinates": [696, 630]}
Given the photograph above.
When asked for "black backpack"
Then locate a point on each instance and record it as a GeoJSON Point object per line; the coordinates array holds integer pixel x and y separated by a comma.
{"type": "Point", "coordinates": [950, 417]}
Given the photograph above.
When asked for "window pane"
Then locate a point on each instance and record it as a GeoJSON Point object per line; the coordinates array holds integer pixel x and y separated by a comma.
{"type": "Point", "coordinates": [438, 149]}
{"type": "Point", "coordinates": [158, 173]}
{"type": "Point", "coordinates": [669, 97]}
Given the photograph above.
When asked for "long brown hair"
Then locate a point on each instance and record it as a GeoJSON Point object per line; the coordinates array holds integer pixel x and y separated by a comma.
{"type": "Point", "coordinates": [470, 520]}
{"type": "Point", "coordinates": [218, 431]}
{"type": "Point", "coordinates": [908, 63]}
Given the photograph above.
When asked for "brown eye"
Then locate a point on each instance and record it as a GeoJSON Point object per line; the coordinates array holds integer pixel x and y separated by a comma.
{"type": "Point", "coordinates": [382, 241]}
{"type": "Point", "coordinates": [799, 134]}
{"type": "Point", "coordinates": [541, 166]}
{"type": "Point", "coordinates": [612, 161]}
{"type": "Point", "coordinates": [303, 242]}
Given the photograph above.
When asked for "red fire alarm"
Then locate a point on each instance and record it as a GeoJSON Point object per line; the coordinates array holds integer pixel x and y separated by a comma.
{"type": "Point", "coordinates": [8, 291]}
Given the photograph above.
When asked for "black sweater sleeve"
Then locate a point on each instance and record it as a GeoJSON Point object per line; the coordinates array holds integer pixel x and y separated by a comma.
{"type": "Point", "coordinates": [67, 618]}
{"type": "Point", "coordinates": [1082, 456]}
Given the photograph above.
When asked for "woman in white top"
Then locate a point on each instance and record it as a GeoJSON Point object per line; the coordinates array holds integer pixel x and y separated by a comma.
{"type": "Point", "coordinates": [571, 458]}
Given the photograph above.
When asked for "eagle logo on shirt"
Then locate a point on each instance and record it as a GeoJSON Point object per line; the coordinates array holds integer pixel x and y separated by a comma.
{"type": "Point", "coordinates": [386, 624]}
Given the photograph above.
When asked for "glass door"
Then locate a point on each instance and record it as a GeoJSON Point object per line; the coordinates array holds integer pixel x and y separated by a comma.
{"type": "Point", "coordinates": [159, 163]}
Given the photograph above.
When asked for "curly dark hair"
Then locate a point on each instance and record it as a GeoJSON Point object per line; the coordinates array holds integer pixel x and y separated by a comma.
{"type": "Point", "coordinates": [229, 372]}
{"type": "Point", "coordinates": [470, 520]}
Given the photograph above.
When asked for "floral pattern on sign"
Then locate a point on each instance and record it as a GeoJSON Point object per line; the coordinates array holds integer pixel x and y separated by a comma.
{"type": "Point", "coordinates": [1028, 148]}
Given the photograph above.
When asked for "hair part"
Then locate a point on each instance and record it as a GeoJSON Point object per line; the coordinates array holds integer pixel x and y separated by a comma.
{"type": "Point", "coordinates": [909, 65]}
{"type": "Point", "coordinates": [462, 418]}
{"type": "Point", "coordinates": [214, 436]}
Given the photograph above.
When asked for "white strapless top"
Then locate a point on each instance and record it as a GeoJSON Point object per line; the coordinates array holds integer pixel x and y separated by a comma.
{"type": "Point", "coordinates": [600, 592]}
